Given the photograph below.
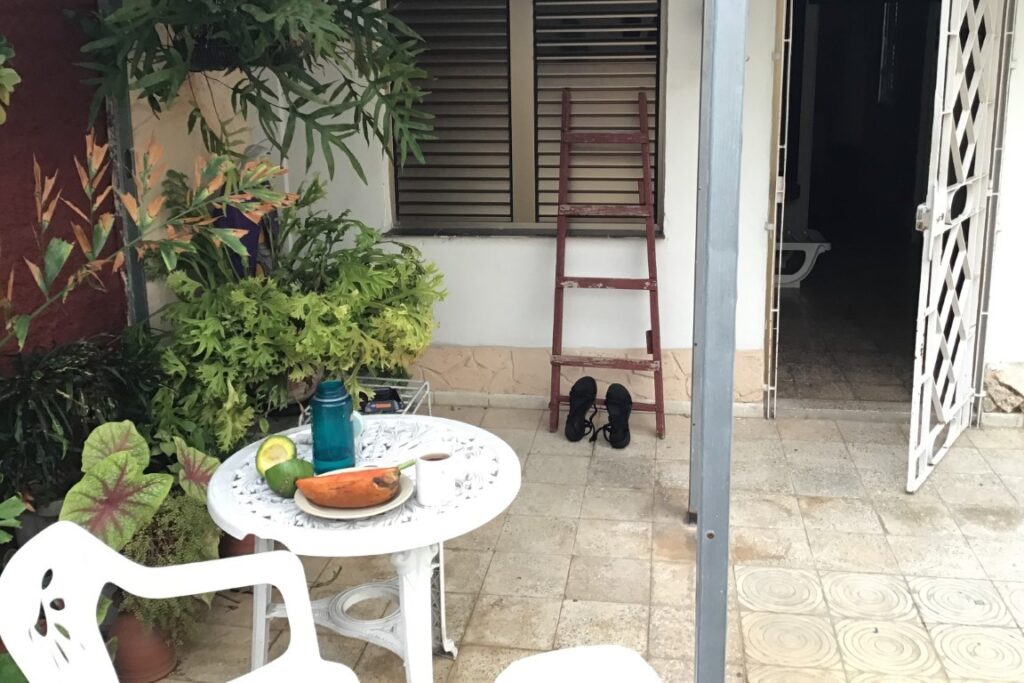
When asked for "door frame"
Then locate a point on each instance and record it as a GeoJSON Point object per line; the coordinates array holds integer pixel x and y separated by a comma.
{"type": "Point", "coordinates": [1005, 60]}
{"type": "Point", "coordinates": [775, 219]}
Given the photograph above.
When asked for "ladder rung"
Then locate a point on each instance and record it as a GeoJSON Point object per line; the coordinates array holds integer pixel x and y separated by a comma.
{"type": "Point", "coordinates": [605, 210]}
{"type": "Point", "coordinates": [570, 282]}
{"type": "Point", "coordinates": [631, 138]}
{"type": "Point", "coordinates": [607, 362]}
{"type": "Point", "coordinates": [641, 406]}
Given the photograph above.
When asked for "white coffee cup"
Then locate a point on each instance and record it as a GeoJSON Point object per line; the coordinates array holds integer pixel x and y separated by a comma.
{"type": "Point", "coordinates": [435, 481]}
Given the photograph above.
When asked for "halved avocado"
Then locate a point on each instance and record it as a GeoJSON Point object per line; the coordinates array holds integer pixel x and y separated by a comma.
{"type": "Point", "coordinates": [274, 450]}
{"type": "Point", "coordinates": [281, 477]}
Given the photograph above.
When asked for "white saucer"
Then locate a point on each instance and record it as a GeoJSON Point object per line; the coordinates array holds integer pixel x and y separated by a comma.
{"type": "Point", "coordinates": [404, 492]}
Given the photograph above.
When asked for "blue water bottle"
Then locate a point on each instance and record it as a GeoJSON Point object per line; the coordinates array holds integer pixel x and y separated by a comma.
{"type": "Point", "coordinates": [333, 437]}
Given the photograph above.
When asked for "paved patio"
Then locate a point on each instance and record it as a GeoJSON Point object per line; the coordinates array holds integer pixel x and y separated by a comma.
{"type": "Point", "coordinates": [837, 576]}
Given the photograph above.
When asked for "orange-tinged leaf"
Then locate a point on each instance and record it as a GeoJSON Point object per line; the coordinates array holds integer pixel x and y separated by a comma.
{"type": "Point", "coordinates": [37, 275]}
{"type": "Point", "coordinates": [81, 214]}
{"type": "Point", "coordinates": [10, 286]}
{"type": "Point", "coordinates": [118, 261]}
{"type": "Point", "coordinates": [97, 154]}
{"type": "Point", "coordinates": [98, 177]}
{"type": "Point", "coordinates": [216, 183]}
{"type": "Point", "coordinates": [154, 150]}
{"type": "Point", "coordinates": [47, 216]}
{"type": "Point", "coordinates": [83, 241]}
{"type": "Point", "coordinates": [156, 205]}
{"type": "Point", "coordinates": [102, 197]}
{"type": "Point", "coordinates": [130, 205]}
{"type": "Point", "coordinates": [83, 177]}
{"type": "Point", "coordinates": [48, 186]}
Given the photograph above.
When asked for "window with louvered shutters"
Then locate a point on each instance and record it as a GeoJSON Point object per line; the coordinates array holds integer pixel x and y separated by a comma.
{"type": "Point", "coordinates": [496, 71]}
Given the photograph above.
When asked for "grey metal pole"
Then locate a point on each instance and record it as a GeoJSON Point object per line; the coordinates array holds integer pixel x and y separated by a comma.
{"type": "Point", "coordinates": [714, 325]}
{"type": "Point", "coordinates": [122, 146]}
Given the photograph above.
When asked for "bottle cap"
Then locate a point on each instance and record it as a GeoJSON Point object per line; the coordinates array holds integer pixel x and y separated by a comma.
{"type": "Point", "coordinates": [331, 389]}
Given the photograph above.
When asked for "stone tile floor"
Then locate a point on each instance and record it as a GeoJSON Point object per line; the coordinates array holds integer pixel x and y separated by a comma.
{"type": "Point", "coordinates": [837, 574]}
{"type": "Point", "coordinates": [853, 349]}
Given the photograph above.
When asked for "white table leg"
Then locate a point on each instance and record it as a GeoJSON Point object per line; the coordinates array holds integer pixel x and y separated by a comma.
{"type": "Point", "coordinates": [414, 588]}
{"type": "Point", "coordinates": [260, 605]}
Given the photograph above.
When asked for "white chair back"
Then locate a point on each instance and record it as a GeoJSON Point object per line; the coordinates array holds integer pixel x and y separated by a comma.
{"type": "Point", "coordinates": [50, 590]}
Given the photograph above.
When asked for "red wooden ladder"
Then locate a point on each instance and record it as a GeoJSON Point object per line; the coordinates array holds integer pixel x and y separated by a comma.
{"type": "Point", "coordinates": [644, 209]}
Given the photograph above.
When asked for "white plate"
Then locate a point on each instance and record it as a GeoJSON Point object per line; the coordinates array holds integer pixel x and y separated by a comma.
{"type": "Point", "coordinates": [404, 492]}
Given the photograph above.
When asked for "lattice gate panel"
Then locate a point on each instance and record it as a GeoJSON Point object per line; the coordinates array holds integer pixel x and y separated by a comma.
{"type": "Point", "coordinates": [954, 230]}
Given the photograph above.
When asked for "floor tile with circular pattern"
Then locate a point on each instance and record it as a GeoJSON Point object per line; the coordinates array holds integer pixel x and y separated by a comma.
{"type": "Point", "coordinates": [777, 589]}
{"type": "Point", "coordinates": [959, 601]}
{"type": "Point", "coordinates": [868, 596]}
{"type": "Point", "coordinates": [897, 648]}
{"type": "Point", "coordinates": [789, 640]}
{"type": "Point", "coordinates": [980, 652]}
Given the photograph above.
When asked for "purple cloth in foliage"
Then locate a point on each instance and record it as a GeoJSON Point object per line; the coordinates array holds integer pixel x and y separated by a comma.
{"type": "Point", "coordinates": [236, 220]}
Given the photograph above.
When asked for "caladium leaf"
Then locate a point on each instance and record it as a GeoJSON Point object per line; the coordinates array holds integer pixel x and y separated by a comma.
{"type": "Point", "coordinates": [196, 469]}
{"type": "Point", "coordinates": [115, 437]}
{"type": "Point", "coordinates": [115, 499]}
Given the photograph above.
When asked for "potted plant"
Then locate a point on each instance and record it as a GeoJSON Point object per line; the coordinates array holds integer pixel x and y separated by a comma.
{"type": "Point", "coordinates": [156, 518]}
{"type": "Point", "coordinates": [332, 68]}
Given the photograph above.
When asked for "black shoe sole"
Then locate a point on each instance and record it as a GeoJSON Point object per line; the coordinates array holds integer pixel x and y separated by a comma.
{"type": "Point", "coordinates": [581, 400]}
{"type": "Point", "coordinates": [619, 405]}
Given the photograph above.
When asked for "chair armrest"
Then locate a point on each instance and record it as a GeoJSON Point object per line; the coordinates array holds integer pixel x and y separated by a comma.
{"type": "Point", "coordinates": [280, 568]}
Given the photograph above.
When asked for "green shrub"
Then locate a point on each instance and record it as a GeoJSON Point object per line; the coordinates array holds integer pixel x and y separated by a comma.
{"type": "Point", "coordinates": [52, 400]}
{"type": "Point", "coordinates": [232, 348]}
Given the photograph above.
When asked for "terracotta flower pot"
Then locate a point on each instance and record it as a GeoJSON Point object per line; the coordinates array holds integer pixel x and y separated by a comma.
{"type": "Point", "coordinates": [232, 547]}
{"type": "Point", "coordinates": [143, 654]}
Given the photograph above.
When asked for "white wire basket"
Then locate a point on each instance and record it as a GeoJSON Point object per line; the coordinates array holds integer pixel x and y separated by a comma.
{"type": "Point", "coordinates": [415, 394]}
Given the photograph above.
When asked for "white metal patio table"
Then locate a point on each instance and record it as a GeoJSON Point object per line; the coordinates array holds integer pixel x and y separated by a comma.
{"type": "Point", "coordinates": [487, 473]}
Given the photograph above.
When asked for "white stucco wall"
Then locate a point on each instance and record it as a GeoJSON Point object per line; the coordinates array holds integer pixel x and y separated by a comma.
{"type": "Point", "coordinates": [500, 288]}
{"type": "Point", "coordinates": [1005, 342]}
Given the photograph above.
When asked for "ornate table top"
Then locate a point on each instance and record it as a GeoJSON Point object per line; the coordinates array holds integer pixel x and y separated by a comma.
{"type": "Point", "coordinates": [487, 477]}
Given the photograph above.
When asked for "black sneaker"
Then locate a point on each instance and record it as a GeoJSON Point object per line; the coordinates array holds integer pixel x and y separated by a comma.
{"type": "Point", "coordinates": [619, 405]}
{"type": "Point", "coordinates": [581, 400]}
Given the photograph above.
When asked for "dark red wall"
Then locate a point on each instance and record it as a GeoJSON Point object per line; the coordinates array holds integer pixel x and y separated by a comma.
{"type": "Point", "coordinates": [48, 118]}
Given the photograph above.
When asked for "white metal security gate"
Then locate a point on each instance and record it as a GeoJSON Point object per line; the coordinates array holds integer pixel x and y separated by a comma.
{"type": "Point", "coordinates": [954, 222]}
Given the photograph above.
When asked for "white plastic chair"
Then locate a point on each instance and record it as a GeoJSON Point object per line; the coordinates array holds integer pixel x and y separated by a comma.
{"type": "Point", "coordinates": [62, 571]}
{"type": "Point", "coordinates": [593, 664]}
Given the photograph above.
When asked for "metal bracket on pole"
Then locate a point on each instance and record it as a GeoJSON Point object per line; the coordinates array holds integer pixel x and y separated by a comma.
{"type": "Point", "coordinates": [714, 326]}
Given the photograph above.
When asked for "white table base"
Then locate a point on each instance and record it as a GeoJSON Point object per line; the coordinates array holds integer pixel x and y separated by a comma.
{"type": "Point", "coordinates": [414, 631]}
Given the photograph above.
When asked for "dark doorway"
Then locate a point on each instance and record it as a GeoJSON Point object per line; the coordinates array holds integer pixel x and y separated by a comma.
{"type": "Point", "coordinates": [860, 111]}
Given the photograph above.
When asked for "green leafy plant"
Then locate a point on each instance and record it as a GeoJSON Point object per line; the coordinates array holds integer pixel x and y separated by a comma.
{"type": "Point", "coordinates": [145, 515]}
{"type": "Point", "coordinates": [8, 77]}
{"type": "Point", "coordinates": [9, 671]}
{"type": "Point", "coordinates": [218, 183]}
{"type": "Point", "coordinates": [51, 400]}
{"type": "Point", "coordinates": [115, 496]}
{"type": "Point", "coordinates": [10, 510]}
{"type": "Point", "coordinates": [180, 532]}
{"type": "Point", "coordinates": [344, 68]}
{"type": "Point", "coordinates": [232, 347]}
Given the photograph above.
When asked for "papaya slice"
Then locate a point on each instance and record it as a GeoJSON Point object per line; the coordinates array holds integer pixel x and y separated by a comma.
{"type": "Point", "coordinates": [354, 489]}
